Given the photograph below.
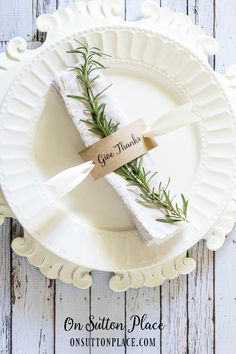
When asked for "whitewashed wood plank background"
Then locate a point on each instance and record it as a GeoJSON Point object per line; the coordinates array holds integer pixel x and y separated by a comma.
{"type": "Point", "coordinates": [199, 311]}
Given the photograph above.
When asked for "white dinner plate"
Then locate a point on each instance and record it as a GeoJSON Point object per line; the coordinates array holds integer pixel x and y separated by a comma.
{"type": "Point", "coordinates": [150, 74]}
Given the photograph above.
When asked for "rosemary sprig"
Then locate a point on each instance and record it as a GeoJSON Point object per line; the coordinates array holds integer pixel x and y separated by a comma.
{"type": "Point", "coordinates": [136, 176]}
{"type": "Point", "coordinates": [98, 122]}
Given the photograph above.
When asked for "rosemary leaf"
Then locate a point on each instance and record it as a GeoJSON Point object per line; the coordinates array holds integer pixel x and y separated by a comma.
{"type": "Point", "coordinates": [98, 123]}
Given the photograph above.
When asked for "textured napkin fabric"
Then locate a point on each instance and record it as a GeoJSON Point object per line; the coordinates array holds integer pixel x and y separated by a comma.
{"type": "Point", "coordinates": [143, 217]}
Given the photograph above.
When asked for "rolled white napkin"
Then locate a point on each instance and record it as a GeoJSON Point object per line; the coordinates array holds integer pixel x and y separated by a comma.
{"type": "Point", "coordinates": [143, 217]}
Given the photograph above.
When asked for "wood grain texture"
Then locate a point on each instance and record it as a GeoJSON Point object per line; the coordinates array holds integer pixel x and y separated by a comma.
{"type": "Point", "coordinates": [61, 4]}
{"type": "Point", "coordinates": [225, 29]}
{"type": "Point", "coordinates": [106, 303]}
{"type": "Point", "coordinates": [32, 306]}
{"type": "Point", "coordinates": [133, 12]}
{"type": "Point", "coordinates": [5, 288]}
{"type": "Point", "coordinates": [174, 315]}
{"type": "Point", "coordinates": [15, 19]}
{"type": "Point", "coordinates": [225, 297]}
{"type": "Point", "coordinates": [180, 5]}
{"type": "Point", "coordinates": [201, 302]}
{"type": "Point", "coordinates": [144, 302]}
{"type": "Point", "coordinates": [74, 303]}
{"type": "Point", "coordinates": [199, 311]}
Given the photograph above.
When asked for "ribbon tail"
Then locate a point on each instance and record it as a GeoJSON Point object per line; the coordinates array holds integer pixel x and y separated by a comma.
{"type": "Point", "coordinates": [173, 120]}
{"type": "Point", "coordinates": [68, 179]}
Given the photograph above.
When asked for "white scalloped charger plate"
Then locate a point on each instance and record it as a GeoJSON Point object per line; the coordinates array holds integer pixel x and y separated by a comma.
{"type": "Point", "coordinates": [150, 75]}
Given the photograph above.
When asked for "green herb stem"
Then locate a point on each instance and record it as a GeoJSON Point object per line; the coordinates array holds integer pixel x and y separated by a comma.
{"type": "Point", "coordinates": [98, 123]}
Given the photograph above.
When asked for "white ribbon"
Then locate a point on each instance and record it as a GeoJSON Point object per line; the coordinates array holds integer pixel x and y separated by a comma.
{"type": "Point", "coordinates": [68, 179]}
{"type": "Point", "coordinates": [170, 121]}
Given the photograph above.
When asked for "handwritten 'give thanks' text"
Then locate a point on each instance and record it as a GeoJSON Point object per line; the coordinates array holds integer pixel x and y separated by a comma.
{"type": "Point", "coordinates": [118, 149]}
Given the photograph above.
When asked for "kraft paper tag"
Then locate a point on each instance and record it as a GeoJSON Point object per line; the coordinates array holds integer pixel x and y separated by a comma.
{"type": "Point", "coordinates": [118, 149]}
